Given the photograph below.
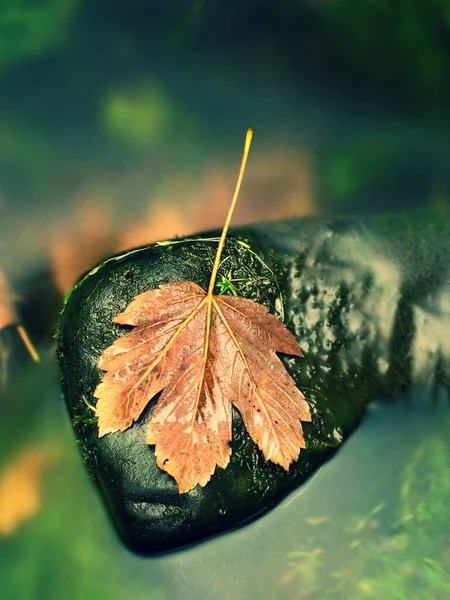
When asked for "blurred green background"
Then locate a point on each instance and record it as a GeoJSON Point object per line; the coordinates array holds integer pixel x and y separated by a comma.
{"type": "Point", "coordinates": [128, 103]}
{"type": "Point", "coordinates": [121, 123]}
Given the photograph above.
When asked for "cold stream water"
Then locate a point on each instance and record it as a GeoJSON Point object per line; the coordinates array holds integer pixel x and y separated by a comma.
{"type": "Point", "coordinates": [371, 523]}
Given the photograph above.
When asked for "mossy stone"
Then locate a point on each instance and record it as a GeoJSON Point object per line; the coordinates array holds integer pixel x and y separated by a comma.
{"type": "Point", "coordinates": [352, 292]}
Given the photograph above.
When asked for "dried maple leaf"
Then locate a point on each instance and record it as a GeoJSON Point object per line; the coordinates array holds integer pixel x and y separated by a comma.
{"type": "Point", "coordinates": [206, 353]}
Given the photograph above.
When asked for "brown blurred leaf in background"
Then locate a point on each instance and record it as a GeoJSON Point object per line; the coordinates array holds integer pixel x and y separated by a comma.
{"type": "Point", "coordinates": [7, 317]}
{"type": "Point", "coordinates": [21, 488]}
{"type": "Point", "coordinates": [279, 186]}
{"type": "Point", "coordinates": [82, 243]}
{"type": "Point", "coordinates": [7, 313]}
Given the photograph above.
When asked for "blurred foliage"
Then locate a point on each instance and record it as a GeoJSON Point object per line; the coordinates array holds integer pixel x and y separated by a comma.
{"type": "Point", "coordinates": [440, 203]}
{"type": "Point", "coordinates": [397, 550]}
{"type": "Point", "coordinates": [29, 28]}
{"type": "Point", "coordinates": [60, 114]}
{"type": "Point", "coordinates": [359, 164]}
{"type": "Point", "coordinates": [141, 116]}
{"type": "Point", "coordinates": [401, 47]}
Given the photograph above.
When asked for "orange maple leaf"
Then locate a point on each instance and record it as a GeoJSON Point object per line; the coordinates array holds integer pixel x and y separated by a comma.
{"type": "Point", "coordinates": [206, 353]}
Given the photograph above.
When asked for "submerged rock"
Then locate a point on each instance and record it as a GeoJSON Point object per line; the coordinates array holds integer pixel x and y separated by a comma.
{"type": "Point", "coordinates": [369, 303]}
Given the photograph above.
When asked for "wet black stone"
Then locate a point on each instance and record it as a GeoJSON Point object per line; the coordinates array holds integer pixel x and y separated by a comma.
{"type": "Point", "coordinates": [369, 302]}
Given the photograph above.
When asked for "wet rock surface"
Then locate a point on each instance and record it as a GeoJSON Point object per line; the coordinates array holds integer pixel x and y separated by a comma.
{"type": "Point", "coordinates": [369, 303]}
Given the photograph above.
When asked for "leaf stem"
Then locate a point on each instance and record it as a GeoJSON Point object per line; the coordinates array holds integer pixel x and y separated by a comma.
{"type": "Point", "coordinates": [248, 141]}
{"type": "Point", "coordinates": [27, 342]}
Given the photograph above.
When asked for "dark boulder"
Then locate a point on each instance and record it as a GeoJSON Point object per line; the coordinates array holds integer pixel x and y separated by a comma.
{"type": "Point", "coordinates": [369, 304]}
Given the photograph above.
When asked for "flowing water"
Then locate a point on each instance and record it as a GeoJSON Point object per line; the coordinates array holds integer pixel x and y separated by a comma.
{"type": "Point", "coordinates": [371, 523]}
